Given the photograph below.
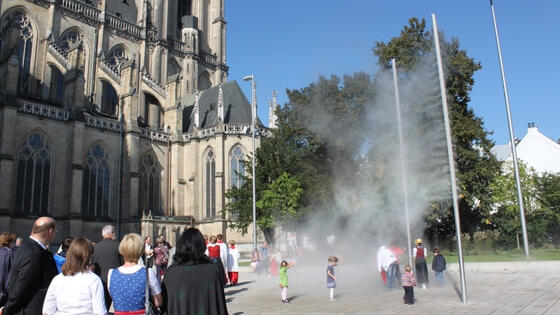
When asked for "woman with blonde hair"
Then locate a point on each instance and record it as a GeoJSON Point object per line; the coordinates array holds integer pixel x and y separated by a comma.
{"type": "Point", "coordinates": [77, 290]}
{"type": "Point", "coordinates": [127, 284]}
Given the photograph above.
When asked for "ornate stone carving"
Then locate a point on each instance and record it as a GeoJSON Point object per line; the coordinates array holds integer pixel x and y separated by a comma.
{"type": "Point", "coordinates": [237, 129]}
{"type": "Point", "coordinates": [154, 85]}
{"type": "Point", "coordinates": [105, 124]}
{"type": "Point", "coordinates": [154, 135]}
{"type": "Point", "coordinates": [79, 11]}
{"type": "Point", "coordinates": [43, 110]}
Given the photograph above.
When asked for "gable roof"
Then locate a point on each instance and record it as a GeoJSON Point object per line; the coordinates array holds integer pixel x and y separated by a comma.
{"type": "Point", "coordinates": [237, 109]}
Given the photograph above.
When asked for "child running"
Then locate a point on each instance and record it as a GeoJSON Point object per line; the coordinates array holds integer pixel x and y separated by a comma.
{"type": "Point", "coordinates": [408, 284]}
{"type": "Point", "coordinates": [331, 279]}
{"type": "Point", "coordinates": [283, 279]}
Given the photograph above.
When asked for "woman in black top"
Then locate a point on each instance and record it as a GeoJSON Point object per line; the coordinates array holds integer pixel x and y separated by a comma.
{"type": "Point", "coordinates": [193, 284]}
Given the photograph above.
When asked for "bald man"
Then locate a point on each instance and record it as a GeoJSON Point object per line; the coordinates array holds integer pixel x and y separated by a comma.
{"type": "Point", "coordinates": [32, 270]}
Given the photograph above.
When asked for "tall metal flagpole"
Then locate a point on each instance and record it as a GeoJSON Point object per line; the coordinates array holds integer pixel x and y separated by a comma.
{"type": "Point", "coordinates": [253, 130]}
{"type": "Point", "coordinates": [451, 161]}
{"type": "Point", "coordinates": [511, 138]}
{"type": "Point", "coordinates": [403, 164]}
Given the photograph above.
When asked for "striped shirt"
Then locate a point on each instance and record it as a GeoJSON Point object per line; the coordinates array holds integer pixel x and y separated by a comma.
{"type": "Point", "coordinates": [408, 279]}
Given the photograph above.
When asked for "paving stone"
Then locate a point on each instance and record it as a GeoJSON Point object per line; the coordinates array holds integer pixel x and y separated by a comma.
{"type": "Point", "coordinates": [492, 288]}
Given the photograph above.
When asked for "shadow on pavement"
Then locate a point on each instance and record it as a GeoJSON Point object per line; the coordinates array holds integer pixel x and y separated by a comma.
{"type": "Point", "coordinates": [295, 297]}
{"type": "Point", "coordinates": [232, 292]}
{"type": "Point", "coordinates": [243, 283]}
{"type": "Point", "coordinates": [454, 283]}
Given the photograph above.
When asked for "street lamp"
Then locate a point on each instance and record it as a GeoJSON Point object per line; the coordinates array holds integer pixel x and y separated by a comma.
{"type": "Point", "coordinates": [253, 127]}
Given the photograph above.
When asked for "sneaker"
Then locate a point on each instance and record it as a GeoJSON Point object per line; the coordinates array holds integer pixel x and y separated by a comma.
{"type": "Point", "coordinates": [332, 300]}
{"type": "Point", "coordinates": [423, 286]}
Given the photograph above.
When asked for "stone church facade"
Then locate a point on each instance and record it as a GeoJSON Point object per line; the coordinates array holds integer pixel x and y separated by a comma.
{"type": "Point", "coordinates": [119, 112]}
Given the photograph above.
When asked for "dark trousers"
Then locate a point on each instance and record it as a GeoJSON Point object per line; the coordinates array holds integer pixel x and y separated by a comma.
{"type": "Point", "coordinates": [408, 295]}
{"type": "Point", "coordinates": [161, 269]}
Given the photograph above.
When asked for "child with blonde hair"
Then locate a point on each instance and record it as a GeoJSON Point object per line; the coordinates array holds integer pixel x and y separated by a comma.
{"type": "Point", "coordinates": [408, 283]}
{"type": "Point", "coordinates": [331, 279]}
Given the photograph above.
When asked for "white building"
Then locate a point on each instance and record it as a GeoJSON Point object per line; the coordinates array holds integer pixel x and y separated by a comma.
{"type": "Point", "coordinates": [535, 150]}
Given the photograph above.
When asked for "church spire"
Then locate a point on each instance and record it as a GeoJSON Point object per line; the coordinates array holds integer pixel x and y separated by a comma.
{"type": "Point", "coordinates": [272, 118]}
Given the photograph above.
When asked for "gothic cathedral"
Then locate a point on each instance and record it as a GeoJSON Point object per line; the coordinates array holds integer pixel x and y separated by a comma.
{"type": "Point", "coordinates": [119, 112]}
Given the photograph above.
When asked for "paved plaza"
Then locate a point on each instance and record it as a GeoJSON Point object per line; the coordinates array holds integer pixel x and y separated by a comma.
{"type": "Point", "coordinates": [493, 288]}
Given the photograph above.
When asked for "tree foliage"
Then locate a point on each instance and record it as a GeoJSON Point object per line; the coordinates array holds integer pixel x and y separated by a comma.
{"type": "Point", "coordinates": [476, 166]}
{"type": "Point", "coordinates": [280, 202]}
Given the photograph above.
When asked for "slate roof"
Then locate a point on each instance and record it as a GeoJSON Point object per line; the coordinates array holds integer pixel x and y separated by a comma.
{"type": "Point", "coordinates": [237, 109]}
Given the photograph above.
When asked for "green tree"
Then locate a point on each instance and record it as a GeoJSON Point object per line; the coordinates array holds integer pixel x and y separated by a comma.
{"type": "Point", "coordinates": [476, 166]}
{"type": "Point", "coordinates": [549, 200]}
{"type": "Point", "coordinates": [279, 203]}
{"type": "Point", "coordinates": [506, 219]}
{"type": "Point", "coordinates": [310, 145]}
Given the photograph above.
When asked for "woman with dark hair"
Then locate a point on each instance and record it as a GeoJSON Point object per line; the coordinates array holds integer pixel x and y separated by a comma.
{"type": "Point", "coordinates": [193, 284]}
{"type": "Point", "coordinates": [77, 290]}
{"type": "Point", "coordinates": [6, 256]}
{"type": "Point", "coordinates": [60, 257]}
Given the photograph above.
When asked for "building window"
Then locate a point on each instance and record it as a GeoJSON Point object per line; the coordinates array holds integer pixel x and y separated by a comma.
{"type": "Point", "coordinates": [149, 192]}
{"type": "Point", "coordinates": [237, 167]}
{"type": "Point", "coordinates": [109, 99]}
{"type": "Point", "coordinates": [33, 176]}
{"type": "Point", "coordinates": [70, 39]}
{"type": "Point", "coordinates": [210, 179]}
{"type": "Point", "coordinates": [20, 22]}
{"type": "Point", "coordinates": [57, 86]}
{"type": "Point", "coordinates": [96, 183]}
{"type": "Point", "coordinates": [117, 56]}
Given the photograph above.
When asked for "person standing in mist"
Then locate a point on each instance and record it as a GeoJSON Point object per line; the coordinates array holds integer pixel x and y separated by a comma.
{"type": "Point", "coordinates": [388, 263]}
{"type": "Point", "coordinates": [419, 253]}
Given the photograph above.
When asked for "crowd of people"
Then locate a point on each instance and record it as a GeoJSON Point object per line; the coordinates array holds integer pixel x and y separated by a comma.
{"type": "Point", "coordinates": [388, 267]}
{"type": "Point", "coordinates": [126, 277]}
{"type": "Point", "coordinates": [131, 276]}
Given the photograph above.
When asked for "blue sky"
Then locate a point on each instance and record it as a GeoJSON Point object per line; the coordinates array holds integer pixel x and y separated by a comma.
{"type": "Point", "coordinates": [287, 44]}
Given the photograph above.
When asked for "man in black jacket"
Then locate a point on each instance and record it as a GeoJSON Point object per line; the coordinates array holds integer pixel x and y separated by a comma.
{"type": "Point", "coordinates": [32, 270]}
{"type": "Point", "coordinates": [106, 256]}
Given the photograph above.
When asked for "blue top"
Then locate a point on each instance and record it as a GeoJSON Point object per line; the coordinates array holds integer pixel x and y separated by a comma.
{"type": "Point", "coordinates": [128, 290]}
{"type": "Point", "coordinates": [330, 281]}
{"type": "Point", "coordinates": [59, 260]}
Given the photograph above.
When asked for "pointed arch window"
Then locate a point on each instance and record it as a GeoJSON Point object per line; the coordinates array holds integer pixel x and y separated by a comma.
{"type": "Point", "coordinates": [237, 167]}
{"type": "Point", "coordinates": [33, 176]}
{"type": "Point", "coordinates": [57, 86]}
{"type": "Point", "coordinates": [117, 56]}
{"type": "Point", "coordinates": [96, 185]}
{"type": "Point", "coordinates": [210, 180]}
{"type": "Point", "coordinates": [19, 21]}
{"type": "Point", "coordinates": [109, 99]}
{"type": "Point", "coordinates": [149, 192]}
{"type": "Point", "coordinates": [70, 39]}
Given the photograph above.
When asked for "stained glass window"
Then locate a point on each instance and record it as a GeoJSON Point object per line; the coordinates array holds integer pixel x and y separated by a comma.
{"type": "Point", "coordinates": [33, 176]}
{"type": "Point", "coordinates": [19, 21]}
{"type": "Point", "coordinates": [149, 193]}
{"type": "Point", "coordinates": [210, 179]}
{"type": "Point", "coordinates": [96, 184]}
{"type": "Point", "coordinates": [237, 167]}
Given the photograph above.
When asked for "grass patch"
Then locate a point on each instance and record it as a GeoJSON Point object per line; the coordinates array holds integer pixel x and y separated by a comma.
{"type": "Point", "coordinates": [499, 255]}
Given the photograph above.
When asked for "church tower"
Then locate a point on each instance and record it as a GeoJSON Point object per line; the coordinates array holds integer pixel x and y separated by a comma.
{"type": "Point", "coordinates": [129, 100]}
